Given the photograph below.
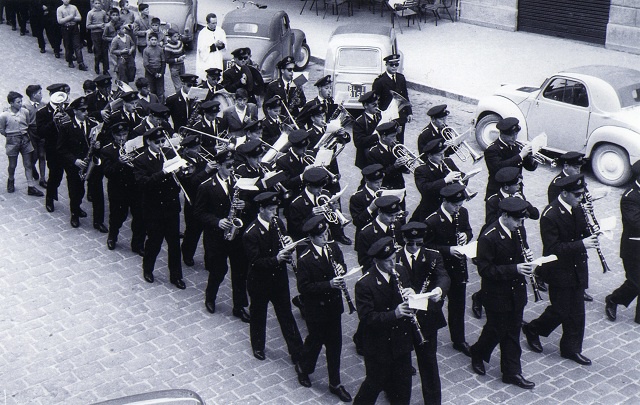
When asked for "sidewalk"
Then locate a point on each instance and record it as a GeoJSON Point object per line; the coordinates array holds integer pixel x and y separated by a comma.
{"type": "Point", "coordinates": [458, 60]}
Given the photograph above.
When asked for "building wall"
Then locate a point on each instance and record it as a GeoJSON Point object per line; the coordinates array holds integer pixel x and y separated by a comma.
{"type": "Point", "coordinates": [623, 30]}
{"type": "Point", "coordinates": [500, 14]}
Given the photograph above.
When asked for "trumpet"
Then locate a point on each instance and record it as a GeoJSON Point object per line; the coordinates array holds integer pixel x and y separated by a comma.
{"type": "Point", "coordinates": [339, 273]}
{"type": "Point", "coordinates": [286, 194]}
{"type": "Point", "coordinates": [462, 150]}
{"type": "Point", "coordinates": [538, 156]}
{"type": "Point", "coordinates": [332, 215]}
{"type": "Point", "coordinates": [130, 156]}
{"type": "Point", "coordinates": [406, 157]}
{"type": "Point", "coordinates": [528, 257]}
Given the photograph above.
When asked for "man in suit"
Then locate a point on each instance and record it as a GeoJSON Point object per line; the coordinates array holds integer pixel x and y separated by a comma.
{"type": "Point", "coordinates": [234, 118]}
{"type": "Point", "coordinates": [321, 287]}
{"type": "Point", "coordinates": [438, 115]}
{"type": "Point", "coordinates": [362, 204]}
{"type": "Point", "coordinates": [160, 204]}
{"type": "Point", "coordinates": [273, 122]}
{"type": "Point", "coordinates": [382, 153]}
{"type": "Point", "coordinates": [214, 203]}
{"type": "Point", "coordinates": [390, 81]}
{"type": "Point", "coordinates": [447, 228]}
{"type": "Point", "coordinates": [210, 124]}
{"type": "Point", "coordinates": [292, 96]}
{"type": "Point", "coordinates": [565, 234]}
{"type": "Point", "coordinates": [212, 83]}
{"type": "Point", "coordinates": [128, 111]}
{"type": "Point", "coordinates": [364, 128]}
{"type": "Point", "coordinates": [502, 260]}
{"type": "Point", "coordinates": [267, 279]}
{"type": "Point", "coordinates": [431, 177]}
{"type": "Point", "coordinates": [504, 152]}
{"type": "Point", "coordinates": [388, 335]}
{"type": "Point", "coordinates": [629, 251]}
{"type": "Point", "coordinates": [427, 273]}
{"type": "Point", "coordinates": [239, 76]}
{"type": "Point", "coordinates": [180, 106]}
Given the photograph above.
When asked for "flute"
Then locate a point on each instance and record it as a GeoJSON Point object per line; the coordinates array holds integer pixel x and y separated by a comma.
{"type": "Point", "coordinates": [526, 253]}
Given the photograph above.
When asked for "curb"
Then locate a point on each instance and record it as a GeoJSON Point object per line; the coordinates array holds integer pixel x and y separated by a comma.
{"type": "Point", "coordinates": [421, 87]}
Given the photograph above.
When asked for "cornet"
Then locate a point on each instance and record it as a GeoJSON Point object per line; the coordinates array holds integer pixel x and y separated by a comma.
{"type": "Point", "coordinates": [539, 157]}
{"type": "Point", "coordinates": [462, 150]}
{"type": "Point", "coordinates": [332, 215]}
{"type": "Point", "coordinates": [406, 157]}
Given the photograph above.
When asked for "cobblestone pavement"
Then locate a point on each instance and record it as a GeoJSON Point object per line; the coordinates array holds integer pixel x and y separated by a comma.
{"type": "Point", "coordinates": [78, 324]}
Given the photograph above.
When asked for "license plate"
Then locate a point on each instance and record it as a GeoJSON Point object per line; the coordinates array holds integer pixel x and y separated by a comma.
{"type": "Point", "coordinates": [356, 90]}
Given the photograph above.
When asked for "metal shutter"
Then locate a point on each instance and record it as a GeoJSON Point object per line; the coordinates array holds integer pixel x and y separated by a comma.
{"type": "Point", "coordinates": [583, 20]}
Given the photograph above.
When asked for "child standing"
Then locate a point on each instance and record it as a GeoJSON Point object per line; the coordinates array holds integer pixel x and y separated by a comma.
{"type": "Point", "coordinates": [123, 50]}
{"type": "Point", "coordinates": [154, 64]}
{"type": "Point", "coordinates": [155, 29]}
{"type": "Point", "coordinates": [175, 56]}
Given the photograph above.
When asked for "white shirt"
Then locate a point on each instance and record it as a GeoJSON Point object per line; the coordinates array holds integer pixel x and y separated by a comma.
{"type": "Point", "coordinates": [381, 225]}
{"type": "Point", "coordinates": [386, 276]}
{"type": "Point", "coordinates": [241, 113]}
{"type": "Point", "coordinates": [567, 206]}
{"type": "Point", "coordinates": [504, 228]}
{"type": "Point", "coordinates": [264, 223]}
{"type": "Point", "coordinates": [223, 183]}
{"type": "Point", "coordinates": [446, 214]}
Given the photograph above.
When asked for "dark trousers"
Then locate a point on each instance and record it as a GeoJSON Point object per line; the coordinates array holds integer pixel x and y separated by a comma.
{"type": "Point", "coordinates": [566, 309]}
{"type": "Point", "coordinates": [156, 85]}
{"type": "Point", "coordinates": [276, 291]}
{"type": "Point", "coordinates": [72, 43]}
{"type": "Point", "coordinates": [118, 211]}
{"type": "Point", "coordinates": [95, 190]}
{"type": "Point", "coordinates": [54, 34]}
{"type": "Point", "coordinates": [37, 29]}
{"type": "Point", "coordinates": [56, 172]}
{"type": "Point", "coordinates": [455, 307]}
{"type": "Point", "coordinates": [394, 378]}
{"type": "Point", "coordinates": [629, 290]}
{"type": "Point", "coordinates": [329, 334]}
{"type": "Point", "coordinates": [75, 186]}
{"type": "Point", "coordinates": [126, 69]}
{"type": "Point", "coordinates": [192, 232]}
{"type": "Point", "coordinates": [428, 366]}
{"type": "Point", "coordinates": [502, 328]}
{"type": "Point", "coordinates": [216, 252]}
{"type": "Point", "coordinates": [19, 9]}
{"type": "Point", "coordinates": [162, 225]}
{"type": "Point", "coordinates": [100, 52]}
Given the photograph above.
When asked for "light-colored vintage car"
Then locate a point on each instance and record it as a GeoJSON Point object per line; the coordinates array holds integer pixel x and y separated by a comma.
{"type": "Point", "coordinates": [591, 109]}
{"type": "Point", "coordinates": [269, 35]}
{"type": "Point", "coordinates": [181, 15]}
{"type": "Point", "coordinates": [354, 59]}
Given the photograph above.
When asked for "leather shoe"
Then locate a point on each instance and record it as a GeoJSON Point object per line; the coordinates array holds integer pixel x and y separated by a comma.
{"type": "Point", "coordinates": [344, 240]}
{"type": "Point", "coordinates": [477, 365]}
{"type": "Point", "coordinates": [139, 251]}
{"type": "Point", "coordinates": [48, 204]}
{"type": "Point", "coordinates": [518, 380]}
{"type": "Point", "coordinates": [82, 213]}
{"type": "Point", "coordinates": [148, 277]}
{"type": "Point", "coordinates": [578, 358]}
{"type": "Point", "coordinates": [587, 297]}
{"type": "Point", "coordinates": [75, 221]}
{"type": "Point", "coordinates": [43, 183]}
{"type": "Point", "coordinates": [211, 307]}
{"type": "Point", "coordinates": [303, 378]}
{"type": "Point", "coordinates": [111, 244]}
{"type": "Point", "coordinates": [179, 284]}
{"type": "Point", "coordinates": [610, 308]}
{"type": "Point", "coordinates": [34, 192]}
{"type": "Point", "coordinates": [188, 261]}
{"type": "Point", "coordinates": [476, 305]}
{"type": "Point", "coordinates": [259, 354]}
{"type": "Point", "coordinates": [341, 393]}
{"type": "Point", "coordinates": [11, 186]}
{"type": "Point", "coordinates": [533, 340]}
{"type": "Point", "coordinates": [463, 348]}
{"type": "Point", "coordinates": [242, 314]}
{"type": "Point", "coordinates": [101, 227]}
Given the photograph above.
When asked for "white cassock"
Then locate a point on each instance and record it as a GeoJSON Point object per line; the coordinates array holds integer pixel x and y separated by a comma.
{"type": "Point", "coordinates": [206, 59]}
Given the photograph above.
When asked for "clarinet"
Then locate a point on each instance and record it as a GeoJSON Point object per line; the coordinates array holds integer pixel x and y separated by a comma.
{"type": "Point", "coordinates": [594, 228]}
{"type": "Point", "coordinates": [281, 240]}
{"type": "Point", "coordinates": [459, 240]}
{"type": "Point", "coordinates": [526, 253]}
{"type": "Point", "coordinates": [414, 317]}
{"type": "Point", "coordinates": [338, 273]}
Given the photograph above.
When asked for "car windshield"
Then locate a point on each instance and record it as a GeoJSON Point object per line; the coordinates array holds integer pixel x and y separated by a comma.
{"type": "Point", "coordinates": [629, 95]}
{"type": "Point", "coordinates": [248, 28]}
{"type": "Point", "coordinates": [366, 58]}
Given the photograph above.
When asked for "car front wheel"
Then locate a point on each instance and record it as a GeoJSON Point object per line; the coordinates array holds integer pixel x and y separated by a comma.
{"type": "Point", "coordinates": [610, 164]}
{"type": "Point", "coordinates": [303, 57]}
{"type": "Point", "coordinates": [486, 131]}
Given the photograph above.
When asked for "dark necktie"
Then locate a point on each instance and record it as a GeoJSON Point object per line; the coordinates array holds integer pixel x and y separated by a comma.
{"type": "Point", "coordinates": [413, 259]}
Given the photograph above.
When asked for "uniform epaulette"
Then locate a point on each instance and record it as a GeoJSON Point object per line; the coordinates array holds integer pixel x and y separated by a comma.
{"type": "Point", "coordinates": [628, 192]}
{"type": "Point", "coordinates": [296, 199]}
{"type": "Point", "coordinates": [109, 144]}
{"type": "Point", "coordinates": [306, 252]}
{"type": "Point", "coordinates": [363, 276]}
{"type": "Point", "coordinates": [431, 250]}
{"type": "Point", "coordinates": [547, 210]}
{"type": "Point", "coordinates": [205, 180]}
{"type": "Point", "coordinates": [432, 214]}
{"type": "Point", "coordinates": [491, 196]}
{"type": "Point", "coordinates": [250, 227]}
{"type": "Point", "coordinates": [366, 226]}
{"type": "Point", "coordinates": [489, 231]}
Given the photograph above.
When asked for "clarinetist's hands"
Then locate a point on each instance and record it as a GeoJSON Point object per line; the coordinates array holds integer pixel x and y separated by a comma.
{"type": "Point", "coordinates": [284, 256]}
{"type": "Point", "coordinates": [287, 240]}
{"type": "Point", "coordinates": [403, 310]}
{"type": "Point", "coordinates": [338, 282]}
{"type": "Point", "coordinates": [462, 238]}
{"type": "Point", "coordinates": [455, 252]}
{"type": "Point", "coordinates": [80, 163]}
{"type": "Point", "coordinates": [525, 268]}
{"type": "Point", "coordinates": [437, 294]}
{"type": "Point", "coordinates": [406, 292]}
{"type": "Point", "coordinates": [590, 242]}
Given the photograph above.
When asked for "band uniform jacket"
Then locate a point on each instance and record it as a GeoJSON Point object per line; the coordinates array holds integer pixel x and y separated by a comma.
{"type": "Point", "coordinates": [364, 137]}
{"type": "Point", "coordinates": [213, 205]}
{"type": "Point", "coordinates": [97, 102]}
{"type": "Point", "coordinates": [261, 246]}
{"type": "Point", "coordinates": [300, 209]}
{"type": "Point", "coordinates": [321, 301]}
{"type": "Point", "coordinates": [441, 234]}
{"type": "Point", "coordinates": [329, 106]}
{"type": "Point", "coordinates": [211, 128]}
{"type": "Point", "coordinates": [393, 176]}
{"type": "Point", "coordinates": [191, 180]}
{"type": "Point", "coordinates": [46, 129]}
{"type": "Point", "coordinates": [499, 155]}
{"type": "Point", "coordinates": [630, 210]}
{"type": "Point", "coordinates": [179, 108]}
{"type": "Point", "coordinates": [428, 269]}
{"type": "Point", "coordinates": [562, 233]}
{"type": "Point", "coordinates": [160, 191]}
{"type": "Point", "coordinates": [383, 85]}
{"type": "Point", "coordinates": [358, 204]}
{"type": "Point", "coordinates": [293, 167]}
{"type": "Point", "coordinates": [144, 126]}
{"type": "Point", "coordinates": [231, 79]}
{"type": "Point", "coordinates": [271, 129]}
{"type": "Point", "coordinates": [429, 180]}
{"type": "Point", "coordinates": [493, 212]}
{"type": "Point", "coordinates": [384, 336]}
{"type": "Point", "coordinates": [73, 142]}
{"type": "Point", "coordinates": [368, 236]}
{"type": "Point", "coordinates": [279, 88]}
{"type": "Point", "coordinates": [231, 120]}
{"type": "Point", "coordinates": [503, 289]}
{"type": "Point", "coordinates": [212, 89]}
{"type": "Point", "coordinates": [132, 119]}
{"type": "Point", "coordinates": [554, 191]}
{"type": "Point", "coordinates": [121, 184]}
{"type": "Point", "coordinates": [429, 133]}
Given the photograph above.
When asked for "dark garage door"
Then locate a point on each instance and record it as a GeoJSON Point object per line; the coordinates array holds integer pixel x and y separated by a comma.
{"type": "Point", "coordinates": [583, 20]}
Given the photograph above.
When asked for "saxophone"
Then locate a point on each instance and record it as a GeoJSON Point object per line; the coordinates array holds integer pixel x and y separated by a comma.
{"type": "Point", "coordinates": [91, 160]}
{"type": "Point", "coordinates": [236, 223]}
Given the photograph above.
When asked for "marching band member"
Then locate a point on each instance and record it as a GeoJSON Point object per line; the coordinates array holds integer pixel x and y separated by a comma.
{"type": "Point", "coordinates": [447, 228]}
{"type": "Point", "coordinates": [388, 334]}
{"type": "Point", "coordinates": [503, 267]}
{"type": "Point", "coordinates": [161, 206]}
{"type": "Point", "coordinates": [431, 177]}
{"type": "Point", "coordinates": [427, 273]}
{"type": "Point", "coordinates": [267, 280]}
{"type": "Point", "coordinates": [98, 100]}
{"type": "Point", "coordinates": [324, 97]}
{"type": "Point", "coordinates": [629, 290]}
{"type": "Point", "coordinates": [292, 96]}
{"type": "Point", "coordinates": [438, 115]}
{"type": "Point", "coordinates": [364, 128]}
{"type": "Point", "coordinates": [382, 153]}
{"type": "Point", "coordinates": [210, 124]}
{"type": "Point", "coordinates": [321, 289]}
{"type": "Point", "coordinates": [388, 208]}
{"type": "Point", "coordinates": [258, 80]}
{"type": "Point", "coordinates": [212, 82]}
{"type": "Point", "coordinates": [253, 130]}
{"type": "Point", "coordinates": [389, 81]}
{"type": "Point", "coordinates": [216, 198]}
{"type": "Point", "coordinates": [572, 163]}
{"type": "Point", "coordinates": [235, 117]}
{"type": "Point", "coordinates": [124, 194]}
{"type": "Point", "coordinates": [180, 106]}
{"type": "Point", "coordinates": [272, 124]}
{"type": "Point", "coordinates": [158, 116]}
{"type": "Point", "coordinates": [362, 204]}
{"type": "Point", "coordinates": [564, 234]}
{"type": "Point", "coordinates": [128, 111]}
{"type": "Point", "coordinates": [238, 75]}
{"type": "Point", "coordinates": [505, 152]}
{"type": "Point", "coordinates": [251, 151]}
{"type": "Point", "coordinates": [47, 129]}
{"type": "Point", "coordinates": [292, 162]}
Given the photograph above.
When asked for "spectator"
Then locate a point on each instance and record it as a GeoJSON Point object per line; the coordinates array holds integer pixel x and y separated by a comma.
{"type": "Point", "coordinates": [175, 56]}
{"type": "Point", "coordinates": [34, 92]}
{"type": "Point", "coordinates": [140, 27]}
{"type": "Point", "coordinates": [69, 17]}
{"type": "Point", "coordinates": [154, 64]}
{"type": "Point", "coordinates": [144, 94]}
{"type": "Point", "coordinates": [212, 41]}
{"type": "Point", "coordinates": [155, 28]}
{"type": "Point", "coordinates": [97, 20]}
{"type": "Point", "coordinates": [123, 50]}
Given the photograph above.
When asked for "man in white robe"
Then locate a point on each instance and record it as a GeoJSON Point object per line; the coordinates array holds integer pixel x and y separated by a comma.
{"type": "Point", "coordinates": [212, 43]}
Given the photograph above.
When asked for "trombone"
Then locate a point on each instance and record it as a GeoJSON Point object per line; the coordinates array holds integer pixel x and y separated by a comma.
{"type": "Point", "coordinates": [461, 149]}
{"type": "Point", "coordinates": [538, 156]}
{"type": "Point", "coordinates": [184, 130]}
{"type": "Point", "coordinates": [406, 157]}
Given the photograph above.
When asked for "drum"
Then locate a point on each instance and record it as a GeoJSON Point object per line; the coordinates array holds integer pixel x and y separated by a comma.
{"type": "Point", "coordinates": [224, 98]}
